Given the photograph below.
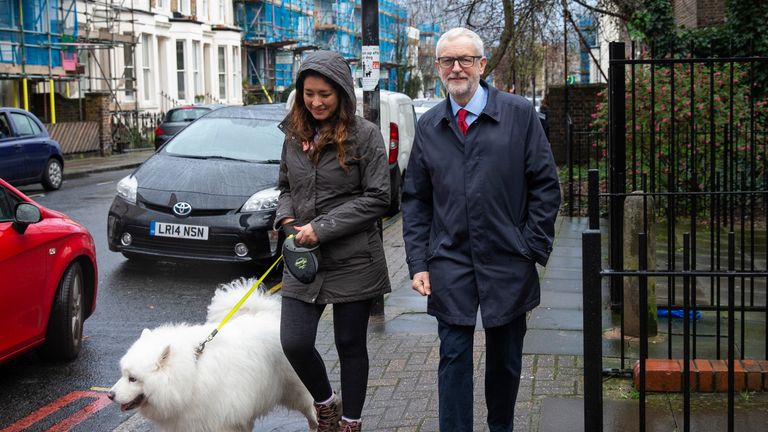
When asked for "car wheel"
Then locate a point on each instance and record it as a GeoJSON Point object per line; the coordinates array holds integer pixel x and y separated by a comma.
{"type": "Point", "coordinates": [65, 325]}
{"type": "Point", "coordinates": [397, 192]}
{"type": "Point", "coordinates": [53, 175]}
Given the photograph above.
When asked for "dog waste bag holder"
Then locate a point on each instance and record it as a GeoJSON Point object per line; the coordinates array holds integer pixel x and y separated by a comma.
{"type": "Point", "coordinates": [300, 261]}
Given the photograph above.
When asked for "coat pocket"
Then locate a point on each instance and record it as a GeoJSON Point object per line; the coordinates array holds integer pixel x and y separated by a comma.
{"type": "Point", "coordinates": [519, 244]}
{"type": "Point", "coordinates": [347, 249]}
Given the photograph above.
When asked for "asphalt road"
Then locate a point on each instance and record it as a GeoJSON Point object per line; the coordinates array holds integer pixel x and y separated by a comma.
{"type": "Point", "coordinates": [39, 396]}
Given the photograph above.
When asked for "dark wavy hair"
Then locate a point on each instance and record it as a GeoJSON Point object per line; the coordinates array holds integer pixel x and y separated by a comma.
{"type": "Point", "coordinates": [335, 130]}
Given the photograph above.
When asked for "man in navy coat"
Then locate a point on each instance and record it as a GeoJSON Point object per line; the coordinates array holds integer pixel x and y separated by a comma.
{"type": "Point", "coordinates": [480, 198]}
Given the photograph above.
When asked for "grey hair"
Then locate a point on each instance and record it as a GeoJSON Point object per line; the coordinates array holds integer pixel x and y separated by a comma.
{"type": "Point", "coordinates": [459, 32]}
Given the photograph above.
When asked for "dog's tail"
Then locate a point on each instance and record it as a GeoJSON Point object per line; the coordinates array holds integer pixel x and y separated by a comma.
{"type": "Point", "coordinates": [227, 295]}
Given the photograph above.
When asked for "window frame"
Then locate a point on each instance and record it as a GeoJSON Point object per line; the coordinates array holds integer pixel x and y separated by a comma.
{"type": "Point", "coordinates": [181, 72]}
{"type": "Point", "coordinates": [146, 65]}
{"type": "Point", "coordinates": [222, 71]}
{"type": "Point", "coordinates": [16, 126]}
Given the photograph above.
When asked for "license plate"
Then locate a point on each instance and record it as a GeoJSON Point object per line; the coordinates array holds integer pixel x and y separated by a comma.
{"type": "Point", "coordinates": [162, 229]}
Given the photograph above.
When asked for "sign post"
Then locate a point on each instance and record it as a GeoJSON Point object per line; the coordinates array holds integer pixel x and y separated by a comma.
{"type": "Point", "coordinates": [371, 62]}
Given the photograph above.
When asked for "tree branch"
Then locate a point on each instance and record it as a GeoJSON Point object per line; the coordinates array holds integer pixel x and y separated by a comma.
{"type": "Point", "coordinates": [504, 39]}
{"type": "Point", "coordinates": [602, 11]}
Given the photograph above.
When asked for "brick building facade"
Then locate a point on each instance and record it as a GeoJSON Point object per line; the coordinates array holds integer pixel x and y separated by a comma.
{"type": "Point", "coordinates": [698, 13]}
{"type": "Point", "coordinates": [582, 99]}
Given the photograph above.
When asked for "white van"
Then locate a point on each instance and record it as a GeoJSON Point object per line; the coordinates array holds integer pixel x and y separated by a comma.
{"type": "Point", "coordinates": [398, 128]}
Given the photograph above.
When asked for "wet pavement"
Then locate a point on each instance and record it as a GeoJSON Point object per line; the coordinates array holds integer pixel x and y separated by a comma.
{"type": "Point", "coordinates": [403, 348]}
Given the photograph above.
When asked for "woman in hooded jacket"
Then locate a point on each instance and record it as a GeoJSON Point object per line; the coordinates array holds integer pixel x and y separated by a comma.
{"type": "Point", "coordinates": [334, 187]}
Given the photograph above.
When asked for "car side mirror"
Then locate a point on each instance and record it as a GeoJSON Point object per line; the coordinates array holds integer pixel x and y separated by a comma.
{"type": "Point", "coordinates": [25, 214]}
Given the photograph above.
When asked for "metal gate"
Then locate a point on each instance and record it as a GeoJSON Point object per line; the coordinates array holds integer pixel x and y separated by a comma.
{"type": "Point", "coordinates": [689, 135]}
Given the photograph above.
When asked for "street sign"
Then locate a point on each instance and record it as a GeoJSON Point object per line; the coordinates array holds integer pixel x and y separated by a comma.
{"type": "Point", "coordinates": [370, 58]}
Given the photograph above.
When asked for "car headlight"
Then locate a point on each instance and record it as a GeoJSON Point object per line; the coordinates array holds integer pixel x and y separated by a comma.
{"type": "Point", "coordinates": [262, 200]}
{"type": "Point", "coordinates": [126, 188]}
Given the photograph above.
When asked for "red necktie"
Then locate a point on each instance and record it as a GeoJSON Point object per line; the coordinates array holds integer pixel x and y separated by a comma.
{"type": "Point", "coordinates": [463, 126]}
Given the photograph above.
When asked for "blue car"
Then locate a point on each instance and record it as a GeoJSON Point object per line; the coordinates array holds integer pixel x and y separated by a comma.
{"type": "Point", "coordinates": [27, 153]}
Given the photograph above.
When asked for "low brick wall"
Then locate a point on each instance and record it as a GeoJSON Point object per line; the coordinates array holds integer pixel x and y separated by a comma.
{"type": "Point", "coordinates": [707, 376]}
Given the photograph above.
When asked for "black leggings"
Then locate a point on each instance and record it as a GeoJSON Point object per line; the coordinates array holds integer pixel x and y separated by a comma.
{"type": "Point", "coordinates": [298, 330]}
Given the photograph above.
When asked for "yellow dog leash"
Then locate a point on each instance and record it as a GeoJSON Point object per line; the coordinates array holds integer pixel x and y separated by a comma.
{"type": "Point", "coordinates": [201, 347]}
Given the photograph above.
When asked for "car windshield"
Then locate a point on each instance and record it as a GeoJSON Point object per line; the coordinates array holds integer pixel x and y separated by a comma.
{"type": "Point", "coordinates": [186, 114]}
{"type": "Point", "coordinates": [246, 139]}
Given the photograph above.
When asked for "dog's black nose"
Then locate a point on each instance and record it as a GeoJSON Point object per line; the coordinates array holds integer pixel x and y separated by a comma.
{"type": "Point", "coordinates": [111, 395]}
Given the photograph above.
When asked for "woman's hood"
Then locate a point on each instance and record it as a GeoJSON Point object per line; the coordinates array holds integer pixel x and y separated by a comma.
{"type": "Point", "coordinates": [333, 66]}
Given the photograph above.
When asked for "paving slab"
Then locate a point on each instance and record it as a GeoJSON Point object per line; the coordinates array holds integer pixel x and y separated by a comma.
{"type": "Point", "coordinates": [663, 414]}
{"type": "Point", "coordinates": [553, 342]}
{"type": "Point", "coordinates": [554, 299]}
{"type": "Point", "coordinates": [544, 318]}
{"type": "Point", "coordinates": [572, 285]}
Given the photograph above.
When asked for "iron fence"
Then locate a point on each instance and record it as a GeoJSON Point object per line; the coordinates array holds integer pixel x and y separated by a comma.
{"type": "Point", "coordinates": [689, 136]}
{"type": "Point", "coordinates": [134, 129]}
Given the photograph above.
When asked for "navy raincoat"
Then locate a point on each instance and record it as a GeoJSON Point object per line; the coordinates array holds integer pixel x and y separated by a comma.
{"type": "Point", "coordinates": [479, 210]}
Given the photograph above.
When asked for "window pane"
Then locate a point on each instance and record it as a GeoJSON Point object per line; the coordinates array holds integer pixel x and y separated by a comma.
{"type": "Point", "coordinates": [222, 72]}
{"type": "Point", "coordinates": [5, 128]}
{"type": "Point", "coordinates": [128, 70]}
{"type": "Point", "coordinates": [145, 41]}
{"type": "Point", "coordinates": [22, 124]}
{"type": "Point", "coordinates": [146, 55]}
{"type": "Point", "coordinates": [180, 74]}
{"type": "Point", "coordinates": [180, 55]}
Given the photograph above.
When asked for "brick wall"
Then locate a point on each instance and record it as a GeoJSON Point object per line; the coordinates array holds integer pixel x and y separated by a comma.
{"type": "Point", "coordinates": [582, 99]}
{"type": "Point", "coordinates": [97, 110]}
{"type": "Point", "coordinates": [698, 13]}
{"type": "Point", "coordinates": [67, 110]}
{"type": "Point", "coordinates": [711, 12]}
{"type": "Point", "coordinates": [685, 13]}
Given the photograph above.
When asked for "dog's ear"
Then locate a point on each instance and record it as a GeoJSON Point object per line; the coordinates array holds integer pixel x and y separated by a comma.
{"type": "Point", "coordinates": [146, 331]}
{"type": "Point", "coordinates": [164, 357]}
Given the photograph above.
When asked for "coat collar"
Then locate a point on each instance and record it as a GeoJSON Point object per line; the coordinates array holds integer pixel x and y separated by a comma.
{"type": "Point", "coordinates": [491, 109]}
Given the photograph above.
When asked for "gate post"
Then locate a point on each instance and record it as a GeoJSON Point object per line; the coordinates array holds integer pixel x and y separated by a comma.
{"type": "Point", "coordinates": [617, 165]}
{"type": "Point", "coordinates": [593, 331]}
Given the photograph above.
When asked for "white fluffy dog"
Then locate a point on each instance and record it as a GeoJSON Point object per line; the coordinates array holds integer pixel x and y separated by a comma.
{"type": "Point", "coordinates": [240, 376]}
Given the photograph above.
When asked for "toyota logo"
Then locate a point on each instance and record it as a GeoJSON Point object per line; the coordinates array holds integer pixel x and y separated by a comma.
{"type": "Point", "coordinates": [182, 209]}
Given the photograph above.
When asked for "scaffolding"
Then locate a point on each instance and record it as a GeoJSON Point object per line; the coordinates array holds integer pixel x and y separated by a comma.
{"type": "Point", "coordinates": [31, 33]}
{"type": "Point", "coordinates": [392, 32]}
{"type": "Point", "coordinates": [45, 49]}
{"type": "Point", "coordinates": [273, 30]}
{"type": "Point", "coordinates": [429, 33]}
{"type": "Point", "coordinates": [337, 23]}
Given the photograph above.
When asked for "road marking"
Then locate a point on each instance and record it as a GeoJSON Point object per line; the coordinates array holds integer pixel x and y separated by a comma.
{"type": "Point", "coordinates": [100, 401]}
{"type": "Point", "coordinates": [104, 183]}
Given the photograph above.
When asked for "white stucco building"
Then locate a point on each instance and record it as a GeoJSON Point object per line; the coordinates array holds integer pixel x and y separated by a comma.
{"type": "Point", "coordinates": [156, 54]}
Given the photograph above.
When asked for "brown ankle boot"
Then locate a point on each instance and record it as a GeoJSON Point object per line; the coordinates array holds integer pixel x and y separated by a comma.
{"type": "Point", "coordinates": [351, 426]}
{"type": "Point", "coordinates": [328, 415]}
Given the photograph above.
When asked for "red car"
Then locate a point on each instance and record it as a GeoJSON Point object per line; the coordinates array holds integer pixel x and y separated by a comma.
{"type": "Point", "coordinates": [48, 279]}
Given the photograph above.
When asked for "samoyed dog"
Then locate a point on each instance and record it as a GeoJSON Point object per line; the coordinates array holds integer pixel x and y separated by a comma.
{"type": "Point", "coordinates": [241, 375]}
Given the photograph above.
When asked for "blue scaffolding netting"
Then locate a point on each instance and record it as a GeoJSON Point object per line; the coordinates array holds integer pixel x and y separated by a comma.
{"type": "Point", "coordinates": [32, 31]}
{"type": "Point", "coordinates": [324, 24]}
